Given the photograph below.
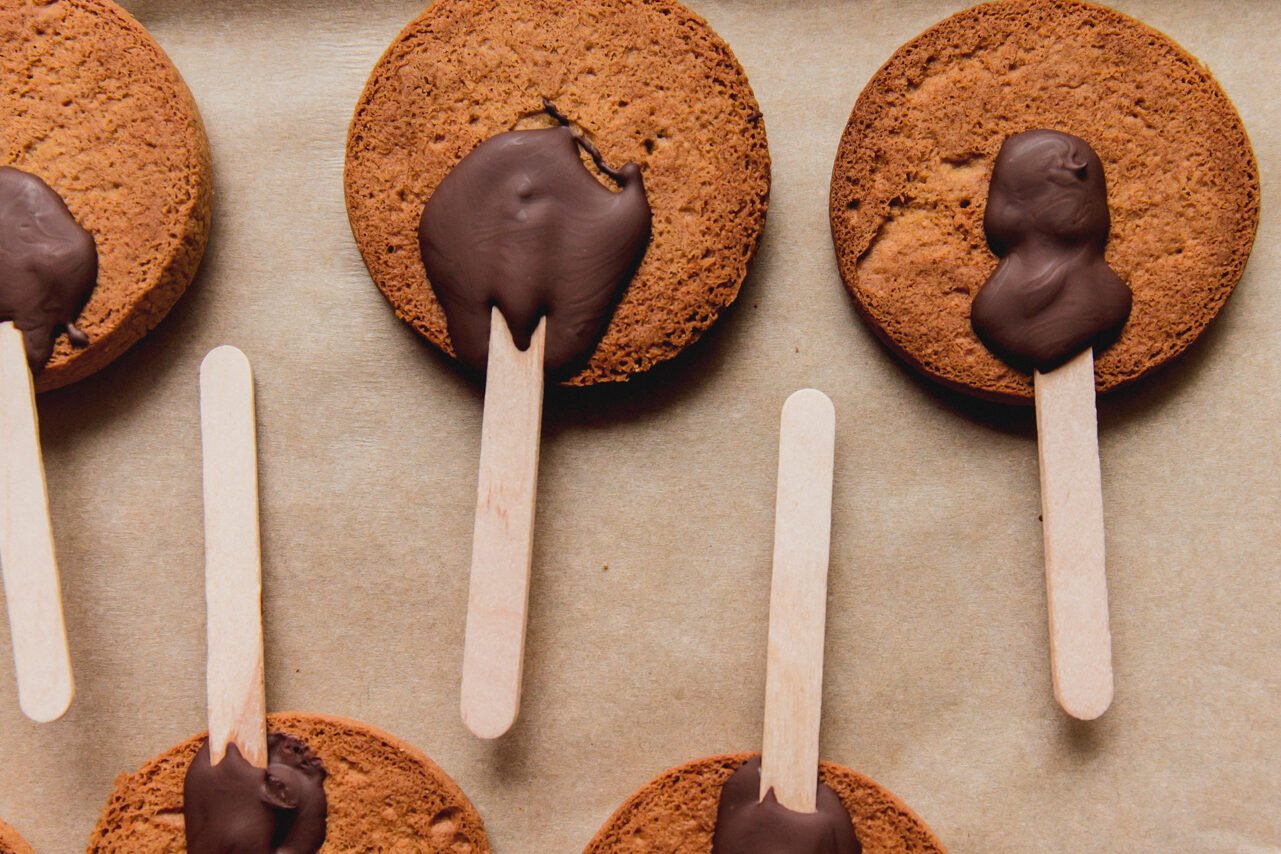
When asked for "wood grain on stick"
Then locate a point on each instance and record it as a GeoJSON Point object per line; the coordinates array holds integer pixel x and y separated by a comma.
{"type": "Point", "coordinates": [1072, 513]}
{"type": "Point", "coordinates": [798, 600]}
{"type": "Point", "coordinates": [41, 658]}
{"type": "Point", "coordinates": [502, 545]}
{"type": "Point", "coordinates": [233, 560]}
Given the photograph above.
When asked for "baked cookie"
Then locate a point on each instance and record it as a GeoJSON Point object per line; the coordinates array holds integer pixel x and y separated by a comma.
{"type": "Point", "coordinates": [90, 104]}
{"type": "Point", "coordinates": [647, 81]}
{"type": "Point", "coordinates": [676, 812]}
{"type": "Point", "coordinates": [383, 795]}
{"type": "Point", "coordinates": [912, 171]}
{"type": "Point", "coordinates": [11, 842]}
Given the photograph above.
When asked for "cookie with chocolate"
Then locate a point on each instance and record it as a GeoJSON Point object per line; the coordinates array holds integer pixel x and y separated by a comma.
{"type": "Point", "coordinates": [11, 842]}
{"type": "Point", "coordinates": [689, 807]}
{"type": "Point", "coordinates": [909, 194]}
{"type": "Point", "coordinates": [93, 110]}
{"type": "Point", "coordinates": [235, 806]}
{"type": "Point", "coordinates": [381, 794]}
{"type": "Point", "coordinates": [639, 82]}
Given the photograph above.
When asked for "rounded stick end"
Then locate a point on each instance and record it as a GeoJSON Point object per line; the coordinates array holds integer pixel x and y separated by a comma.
{"type": "Point", "coordinates": [50, 703]}
{"type": "Point", "coordinates": [225, 360]}
{"type": "Point", "coordinates": [486, 718]}
{"type": "Point", "coordinates": [1087, 702]}
{"type": "Point", "coordinates": [810, 403]}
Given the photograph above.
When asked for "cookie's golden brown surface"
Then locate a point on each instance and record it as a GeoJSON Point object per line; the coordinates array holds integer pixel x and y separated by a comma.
{"type": "Point", "coordinates": [647, 80]}
{"type": "Point", "coordinates": [911, 175]}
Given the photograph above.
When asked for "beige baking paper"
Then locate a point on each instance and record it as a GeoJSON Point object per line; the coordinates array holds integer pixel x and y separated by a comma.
{"type": "Point", "coordinates": [647, 629]}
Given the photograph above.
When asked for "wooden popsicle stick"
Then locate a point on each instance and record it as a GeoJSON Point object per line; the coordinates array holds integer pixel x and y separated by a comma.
{"type": "Point", "coordinates": [503, 541]}
{"type": "Point", "coordinates": [41, 658]}
{"type": "Point", "coordinates": [1072, 517]}
{"type": "Point", "coordinates": [233, 561]}
{"type": "Point", "coordinates": [798, 600]}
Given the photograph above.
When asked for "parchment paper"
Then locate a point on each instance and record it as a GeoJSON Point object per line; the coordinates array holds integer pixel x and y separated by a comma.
{"type": "Point", "coordinates": [647, 630]}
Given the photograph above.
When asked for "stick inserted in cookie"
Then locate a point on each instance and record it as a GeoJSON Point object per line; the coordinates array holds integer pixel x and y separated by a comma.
{"type": "Point", "coordinates": [41, 658]}
{"type": "Point", "coordinates": [1051, 302]}
{"type": "Point", "coordinates": [1072, 519]}
{"type": "Point", "coordinates": [503, 542]}
{"type": "Point", "coordinates": [233, 561]}
{"type": "Point", "coordinates": [798, 600]}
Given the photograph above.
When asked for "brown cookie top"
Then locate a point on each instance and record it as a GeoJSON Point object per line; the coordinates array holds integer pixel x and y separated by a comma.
{"type": "Point", "coordinates": [91, 104]}
{"type": "Point", "coordinates": [646, 80]}
{"type": "Point", "coordinates": [676, 812]}
{"type": "Point", "coordinates": [383, 795]}
{"type": "Point", "coordinates": [912, 171]}
{"type": "Point", "coordinates": [11, 842]}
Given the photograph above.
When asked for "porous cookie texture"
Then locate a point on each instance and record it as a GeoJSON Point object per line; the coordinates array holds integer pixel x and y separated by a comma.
{"type": "Point", "coordinates": [11, 842]}
{"type": "Point", "coordinates": [912, 171]}
{"type": "Point", "coordinates": [676, 812]}
{"type": "Point", "coordinates": [91, 104]}
{"type": "Point", "coordinates": [383, 795]}
{"type": "Point", "coordinates": [646, 80]}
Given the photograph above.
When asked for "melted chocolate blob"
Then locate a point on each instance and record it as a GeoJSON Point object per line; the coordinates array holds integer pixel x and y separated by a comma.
{"type": "Point", "coordinates": [1047, 219]}
{"type": "Point", "coordinates": [48, 264]}
{"type": "Point", "coordinates": [746, 824]}
{"type": "Point", "coordinates": [235, 808]}
{"type": "Point", "coordinates": [520, 223]}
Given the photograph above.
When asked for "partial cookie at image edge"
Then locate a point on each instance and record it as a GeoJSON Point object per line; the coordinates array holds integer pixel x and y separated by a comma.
{"type": "Point", "coordinates": [138, 176]}
{"type": "Point", "coordinates": [676, 811]}
{"type": "Point", "coordinates": [381, 791]}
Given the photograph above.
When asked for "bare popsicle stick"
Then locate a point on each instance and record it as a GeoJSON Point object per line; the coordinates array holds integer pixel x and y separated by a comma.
{"type": "Point", "coordinates": [1072, 513]}
{"type": "Point", "coordinates": [503, 541]}
{"type": "Point", "coordinates": [41, 659]}
{"type": "Point", "coordinates": [233, 561]}
{"type": "Point", "coordinates": [798, 600]}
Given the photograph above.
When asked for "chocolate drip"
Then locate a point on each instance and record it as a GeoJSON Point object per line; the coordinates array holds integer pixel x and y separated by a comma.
{"type": "Point", "coordinates": [235, 808]}
{"type": "Point", "coordinates": [746, 824]}
{"type": "Point", "coordinates": [1053, 294]}
{"type": "Point", "coordinates": [520, 223]}
{"type": "Point", "coordinates": [48, 264]}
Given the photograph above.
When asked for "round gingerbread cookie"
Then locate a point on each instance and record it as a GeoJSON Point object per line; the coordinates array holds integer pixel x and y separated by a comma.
{"type": "Point", "coordinates": [90, 104]}
{"type": "Point", "coordinates": [383, 795]}
{"type": "Point", "coordinates": [11, 842]}
{"type": "Point", "coordinates": [676, 812]}
{"type": "Point", "coordinates": [646, 80]}
{"type": "Point", "coordinates": [911, 178]}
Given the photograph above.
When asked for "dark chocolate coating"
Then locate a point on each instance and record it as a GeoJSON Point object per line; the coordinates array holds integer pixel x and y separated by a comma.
{"type": "Point", "coordinates": [235, 808]}
{"type": "Point", "coordinates": [1053, 293]}
{"type": "Point", "coordinates": [745, 824]}
{"type": "Point", "coordinates": [522, 224]}
{"type": "Point", "coordinates": [48, 264]}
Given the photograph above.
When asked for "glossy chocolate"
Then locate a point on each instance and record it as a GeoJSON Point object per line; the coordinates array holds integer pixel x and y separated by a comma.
{"type": "Point", "coordinates": [522, 224]}
{"type": "Point", "coordinates": [235, 808]}
{"type": "Point", "coordinates": [1053, 293]}
{"type": "Point", "coordinates": [746, 824]}
{"type": "Point", "coordinates": [48, 264]}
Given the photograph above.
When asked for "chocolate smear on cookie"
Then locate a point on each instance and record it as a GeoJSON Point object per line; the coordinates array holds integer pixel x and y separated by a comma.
{"type": "Point", "coordinates": [522, 224]}
{"type": "Point", "coordinates": [1053, 293]}
{"type": "Point", "coordinates": [235, 808]}
{"type": "Point", "coordinates": [48, 264]}
{"type": "Point", "coordinates": [749, 824]}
